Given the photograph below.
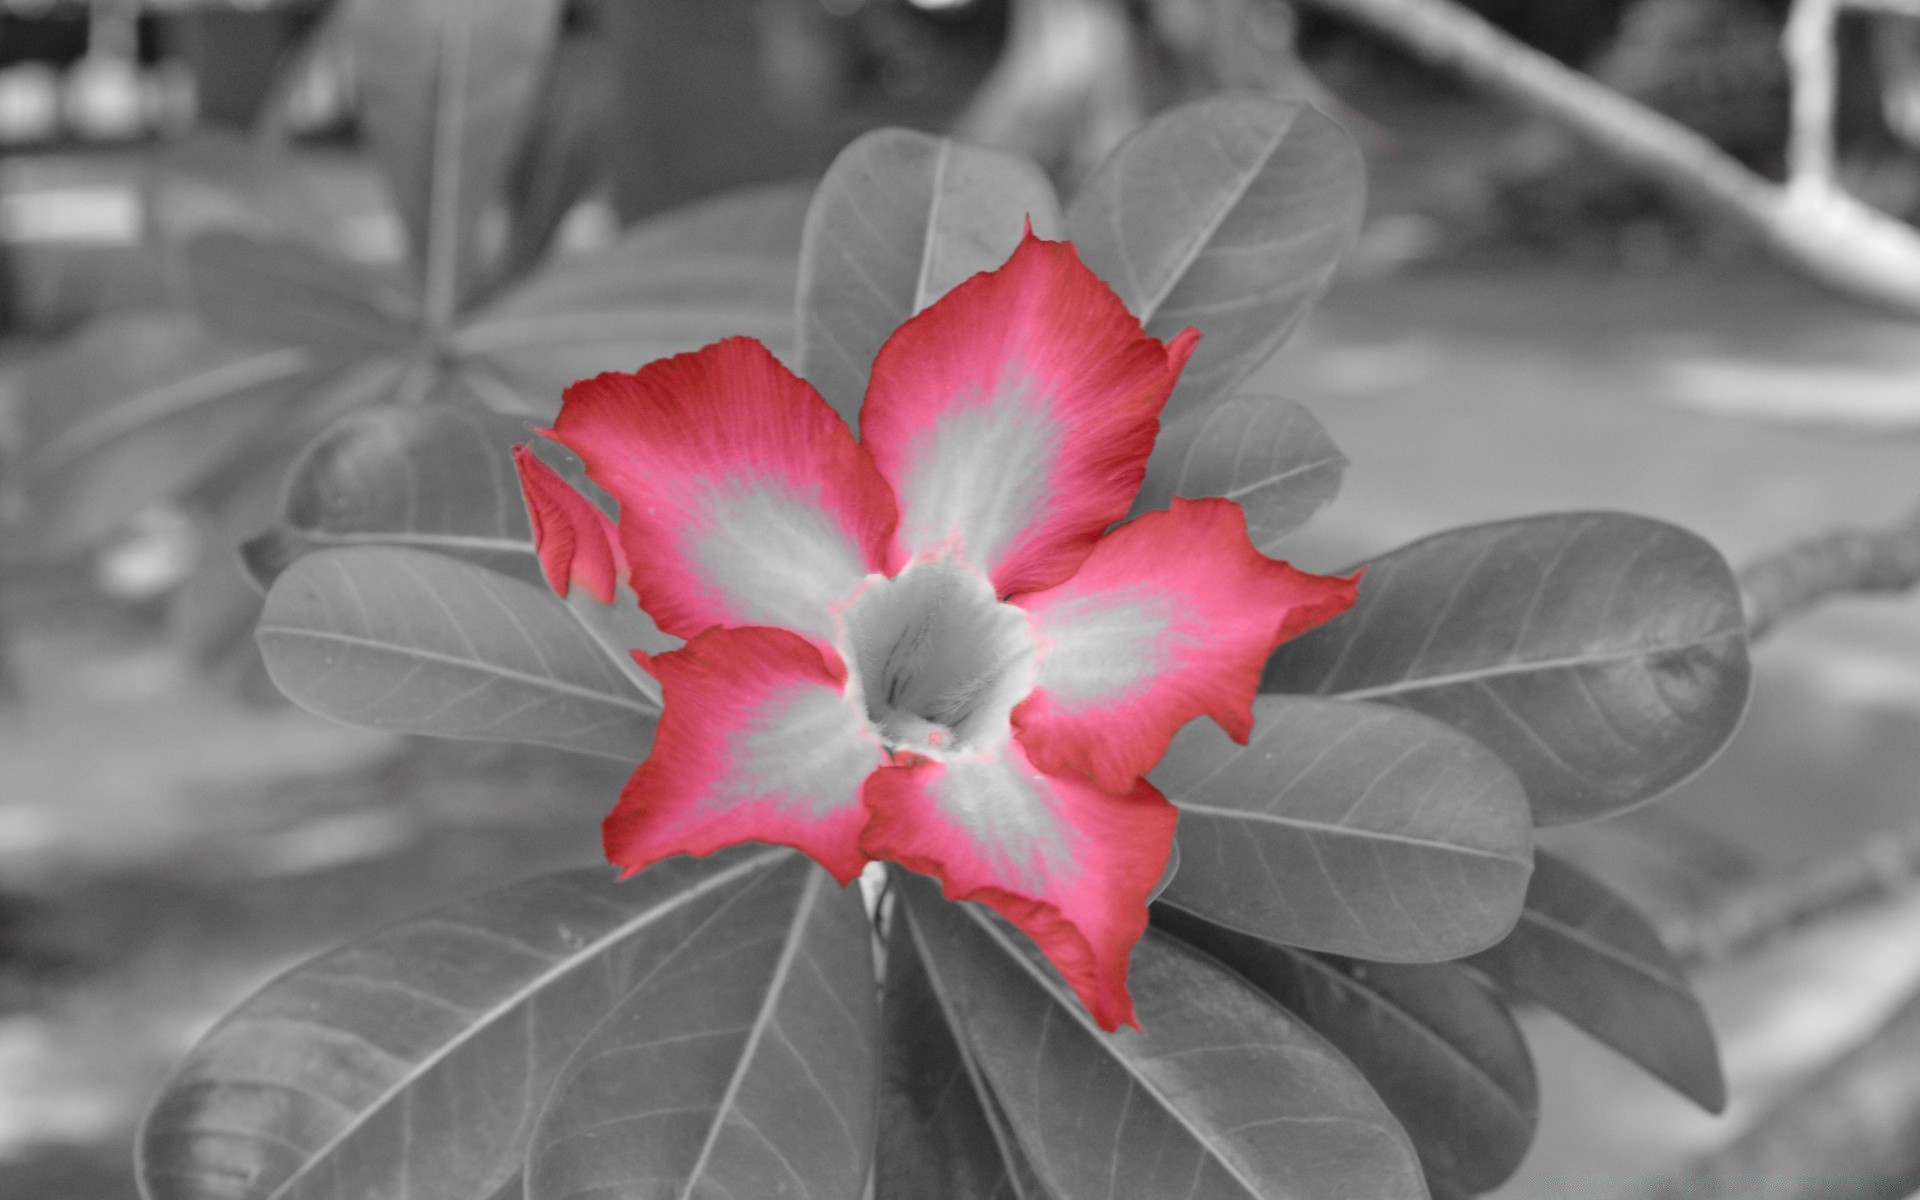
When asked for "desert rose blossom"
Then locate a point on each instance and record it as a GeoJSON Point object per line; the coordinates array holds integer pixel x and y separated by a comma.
{"type": "Point", "coordinates": [923, 646]}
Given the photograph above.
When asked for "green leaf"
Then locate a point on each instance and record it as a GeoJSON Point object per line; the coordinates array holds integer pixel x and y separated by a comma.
{"type": "Point", "coordinates": [898, 220]}
{"type": "Point", "coordinates": [741, 1065]}
{"type": "Point", "coordinates": [446, 94]}
{"type": "Point", "coordinates": [1351, 828]}
{"type": "Point", "coordinates": [1220, 1095]}
{"type": "Point", "coordinates": [941, 1129]}
{"type": "Point", "coordinates": [1270, 456]}
{"type": "Point", "coordinates": [1585, 953]}
{"type": "Point", "coordinates": [1227, 215]}
{"type": "Point", "coordinates": [722, 268]}
{"type": "Point", "coordinates": [415, 1062]}
{"type": "Point", "coordinates": [560, 161]}
{"type": "Point", "coordinates": [1603, 655]}
{"type": "Point", "coordinates": [282, 290]}
{"type": "Point", "coordinates": [1443, 1053]}
{"type": "Point", "coordinates": [434, 477]}
{"type": "Point", "coordinates": [395, 638]}
{"type": "Point", "coordinates": [140, 408]}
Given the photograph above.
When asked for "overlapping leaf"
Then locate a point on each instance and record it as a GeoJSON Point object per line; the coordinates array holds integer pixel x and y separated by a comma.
{"type": "Point", "coordinates": [672, 284]}
{"type": "Point", "coordinates": [1270, 456]}
{"type": "Point", "coordinates": [396, 638]}
{"type": "Point", "coordinates": [741, 1064]}
{"type": "Point", "coordinates": [446, 94]}
{"type": "Point", "coordinates": [1442, 1052]}
{"type": "Point", "coordinates": [288, 291]}
{"type": "Point", "coordinates": [1227, 215]}
{"type": "Point", "coordinates": [436, 477]}
{"type": "Point", "coordinates": [1584, 952]}
{"type": "Point", "coordinates": [1220, 1095]}
{"type": "Point", "coordinates": [415, 1062]}
{"type": "Point", "coordinates": [1351, 828]}
{"type": "Point", "coordinates": [1603, 655]}
{"type": "Point", "coordinates": [136, 409]}
{"type": "Point", "coordinates": [941, 1129]}
{"type": "Point", "coordinates": [899, 219]}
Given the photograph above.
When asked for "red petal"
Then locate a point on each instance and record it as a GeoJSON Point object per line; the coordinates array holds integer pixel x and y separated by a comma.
{"type": "Point", "coordinates": [1069, 865]}
{"type": "Point", "coordinates": [743, 499]}
{"type": "Point", "coordinates": [1171, 618]}
{"type": "Point", "coordinates": [1014, 416]}
{"type": "Point", "coordinates": [575, 540]}
{"type": "Point", "coordinates": [757, 743]}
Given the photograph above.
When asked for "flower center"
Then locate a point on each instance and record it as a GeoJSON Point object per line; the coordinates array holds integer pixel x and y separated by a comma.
{"type": "Point", "coordinates": [938, 661]}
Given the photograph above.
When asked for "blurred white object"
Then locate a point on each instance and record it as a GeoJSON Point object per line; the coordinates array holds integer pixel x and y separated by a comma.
{"type": "Point", "coordinates": [103, 99]}
{"type": "Point", "coordinates": [92, 214]}
{"type": "Point", "coordinates": [160, 547]}
{"type": "Point", "coordinates": [29, 104]}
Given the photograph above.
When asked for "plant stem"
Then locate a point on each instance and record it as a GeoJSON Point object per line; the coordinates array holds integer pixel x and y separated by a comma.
{"type": "Point", "coordinates": [1851, 1133]}
{"type": "Point", "coordinates": [1885, 866]}
{"type": "Point", "coordinates": [1791, 580]}
{"type": "Point", "coordinates": [1810, 222]}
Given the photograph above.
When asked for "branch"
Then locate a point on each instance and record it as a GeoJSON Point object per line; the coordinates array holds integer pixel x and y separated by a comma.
{"type": "Point", "coordinates": [1851, 1132]}
{"type": "Point", "coordinates": [1812, 223]}
{"type": "Point", "coordinates": [1882, 868]}
{"type": "Point", "coordinates": [1787, 582]}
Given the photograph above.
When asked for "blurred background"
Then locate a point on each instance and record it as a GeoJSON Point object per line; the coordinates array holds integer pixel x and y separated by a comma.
{"type": "Point", "coordinates": [1526, 323]}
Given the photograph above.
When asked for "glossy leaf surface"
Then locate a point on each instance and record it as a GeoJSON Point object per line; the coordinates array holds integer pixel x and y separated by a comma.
{"type": "Point", "coordinates": [1442, 1052]}
{"type": "Point", "coordinates": [136, 409]}
{"type": "Point", "coordinates": [288, 291]}
{"type": "Point", "coordinates": [899, 219]}
{"type": "Point", "coordinates": [1270, 456]}
{"type": "Point", "coordinates": [1351, 828]}
{"type": "Point", "coordinates": [1584, 952]}
{"type": "Point", "coordinates": [407, 640]}
{"type": "Point", "coordinates": [1603, 655]}
{"type": "Point", "coordinates": [434, 477]}
{"type": "Point", "coordinates": [741, 1064]}
{"type": "Point", "coordinates": [1221, 1095]}
{"type": "Point", "coordinates": [671, 284]}
{"type": "Point", "coordinates": [415, 1062]}
{"type": "Point", "coordinates": [940, 1130]}
{"type": "Point", "coordinates": [446, 93]}
{"type": "Point", "coordinates": [1227, 215]}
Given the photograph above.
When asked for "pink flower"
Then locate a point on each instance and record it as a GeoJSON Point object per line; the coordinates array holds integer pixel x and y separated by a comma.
{"type": "Point", "coordinates": [922, 646]}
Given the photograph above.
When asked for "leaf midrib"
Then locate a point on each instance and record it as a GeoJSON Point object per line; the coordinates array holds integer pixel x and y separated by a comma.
{"type": "Point", "coordinates": [1530, 666]}
{"type": "Point", "coordinates": [507, 673]}
{"type": "Point", "coordinates": [1324, 827]}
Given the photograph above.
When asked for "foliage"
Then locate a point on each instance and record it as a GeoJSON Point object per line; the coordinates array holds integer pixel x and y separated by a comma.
{"type": "Point", "coordinates": [292, 360]}
{"type": "Point", "coordinates": [731, 1025]}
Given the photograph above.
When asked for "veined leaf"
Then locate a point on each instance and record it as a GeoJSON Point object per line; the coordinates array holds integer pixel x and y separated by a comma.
{"type": "Point", "coordinates": [1351, 828]}
{"type": "Point", "coordinates": [139, 408]}
{"type": "Point", "coordinates": [415, 1062]}
{"type": "Point", "coordinates": [670, 285]}
{"type": "Point", "coordinates": [436, 477]}
{"type": "Point", "coordinates": [941, 1131]}
{"type": "Point", "coordinates": [1442, 1052]}
{"type": "Point", "coordinates": [446, 94]}
{"type": "Point", "coordinates": [898, 220]}
{"type": "Point", "coordinates": [395, 638]}
{"type": "Point", "coordinates": [1220, 1095]}
{"type": "Point", "coordinates": [1585, 953]}
{"type": "Point", "coordinates": [741, 1065]}
{"type": "Point", "coordinates": [1228, 215]}
{"type": "Point", "coordinates": [1270, 456]}
{"type": "Point", "coordinates": [1603, 655]}
{"type": "Point", "coordinates": [288, 291]}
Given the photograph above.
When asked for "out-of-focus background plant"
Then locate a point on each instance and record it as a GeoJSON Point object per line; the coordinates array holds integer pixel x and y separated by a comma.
{"type": "Point", "coordinates": [260, 265]}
